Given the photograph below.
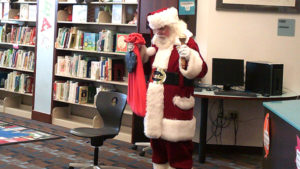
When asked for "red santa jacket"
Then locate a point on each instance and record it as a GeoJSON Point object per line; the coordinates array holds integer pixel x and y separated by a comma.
{"type": "Point", "coordinates": [170, 101]}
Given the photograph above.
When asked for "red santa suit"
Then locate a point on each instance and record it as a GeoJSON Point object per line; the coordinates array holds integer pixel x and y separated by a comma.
{"type": "Point", "coordinates": [169, 120]}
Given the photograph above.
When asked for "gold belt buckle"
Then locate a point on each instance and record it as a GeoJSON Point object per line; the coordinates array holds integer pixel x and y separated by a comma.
{"type": "Point", "coordinates": [159, 76]}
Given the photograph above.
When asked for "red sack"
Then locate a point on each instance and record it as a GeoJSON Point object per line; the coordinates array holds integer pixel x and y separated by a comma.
{"type": "Point", "coordinates": [136, 93]}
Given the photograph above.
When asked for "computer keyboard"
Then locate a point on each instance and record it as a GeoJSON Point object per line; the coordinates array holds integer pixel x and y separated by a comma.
{"type": "Point", "coordinates": [235, 93]}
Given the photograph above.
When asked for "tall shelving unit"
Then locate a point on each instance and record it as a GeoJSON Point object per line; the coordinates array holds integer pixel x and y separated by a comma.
{"type": "Point", "coordinates": [71, 114]}
{"type": "Point", "coordinates": [17, 57]}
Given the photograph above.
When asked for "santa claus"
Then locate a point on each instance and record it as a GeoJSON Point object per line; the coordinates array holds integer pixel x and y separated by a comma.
{"type": "Point", "coordinates": [175, 62]}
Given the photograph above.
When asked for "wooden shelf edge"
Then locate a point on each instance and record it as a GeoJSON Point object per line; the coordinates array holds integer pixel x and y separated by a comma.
{"type": "Point", "coordinates": [16, 69]}
{"type": "Point", "coordinates": [96, 23]}
{"type": "Point", "coordinates": [6, 90]}
{"type": "Point", "coordinates": [22, 45]}
{"type": "Point", "coordinates": [93, 80]}
{"type": "Point", "coordinates": [87, 51]}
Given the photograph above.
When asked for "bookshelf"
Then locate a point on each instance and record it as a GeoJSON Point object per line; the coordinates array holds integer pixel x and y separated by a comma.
{"type": "Point", "coordinates": [17, 56]}
{"type": "Point", "coordinates": [83, 63]}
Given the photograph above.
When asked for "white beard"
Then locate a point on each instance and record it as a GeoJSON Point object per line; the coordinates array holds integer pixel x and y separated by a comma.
{"type": "Point", "coordinates": [164, 42]}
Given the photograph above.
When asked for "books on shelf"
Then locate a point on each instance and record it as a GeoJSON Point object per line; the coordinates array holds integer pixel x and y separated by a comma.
{"type": "Point", "coordinates": [121, 45]}
{"type": "Point", "coordinates": [73, 38]}
{"type": "Point", "coordinates": [85, 67]}
{"type": "Point", "coordinates": [79, 13]}
{"type": "Point", "coordinates": [19, 82]}
{"type": "Point", "coordinates": [19, 59]}
{"type": "Point", "coordinates": [75, 92]}
{"type": "Point", "coordinates": [18, 34]}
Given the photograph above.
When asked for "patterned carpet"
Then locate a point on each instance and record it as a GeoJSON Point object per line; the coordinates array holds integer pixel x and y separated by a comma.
{"type": "Point", "coordinates": [57, 153]}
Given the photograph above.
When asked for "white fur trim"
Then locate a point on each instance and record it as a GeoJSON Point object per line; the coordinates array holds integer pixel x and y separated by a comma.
{"type": "Point", "coordinates": [194, 65]}
{"type": "Point", "coordinates": [184, 103]}
{"type": "Point", "coordinates": [178, 130]}
{"type": "Point", "coordinates": [166, 17]}
{"type": "Point", "coordinates": [162, 58]}
{"type": "Point", "coordinates": [155, 110]}
{"type": "Point", "coordinates": [160, 166]}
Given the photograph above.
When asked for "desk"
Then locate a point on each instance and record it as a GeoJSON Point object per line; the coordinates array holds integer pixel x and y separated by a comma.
{"type": "Point", "coordinates": [205, 95]}
{"type": "Point", "coordinates": [284, 127]}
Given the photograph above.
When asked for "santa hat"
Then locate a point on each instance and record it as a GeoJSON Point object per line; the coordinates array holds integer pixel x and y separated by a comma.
{"type": "Point", "coordinates": [163, 17]}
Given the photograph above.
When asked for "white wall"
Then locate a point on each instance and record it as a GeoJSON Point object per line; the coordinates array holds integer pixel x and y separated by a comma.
{"type": "Point", "coordinates": [251, 36]}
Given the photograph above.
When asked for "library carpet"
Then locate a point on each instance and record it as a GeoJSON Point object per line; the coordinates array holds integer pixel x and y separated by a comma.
{"type": "Point", "coordinates": [12, 134]}
{"type": "Point", "coordinates": [57, 153]}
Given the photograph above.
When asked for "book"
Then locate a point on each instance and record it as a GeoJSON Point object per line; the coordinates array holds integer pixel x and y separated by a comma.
{"type": "Point", "coordinates": [121, 45]}
{"type": "Point", "coordinates": [32, 12]}
{"type": "Point", "coordinates": [1, 10]}
{"type": "Point", "coordinates": [24, 11]}
{"type": "Point", "coordinates": [6, 8]}
{"type": "Point", "coordinates": [118, 69]}
{"type": "Point", "coordinates": [91, 94]}
{"type": "Point", "coordinates": [116, 14]}
{"type": "Point", "coordinates": [83, 94]}
{"type": "Point", "coordinates": [90, 40]}
{"type": "Point", "coordinates": [108, 40]}
{"type": "Point", "coordinates": [79, 13]}
{"type": "Point", "coordinates": [95, 70]}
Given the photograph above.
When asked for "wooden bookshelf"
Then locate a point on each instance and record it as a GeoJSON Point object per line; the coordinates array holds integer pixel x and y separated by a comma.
{"type": "Point", "coordinates": [18, 108]}
{"type": "Point", "coordinates": [93, 80]}
{"type": "Point", "coordinates": [95, 28]}
{"type": "Point", "coordinates": [17, 69]}
{"type": "Point", "coordinates": [89, 51]}
{"type": "Point", "coordinates": [6, 90]}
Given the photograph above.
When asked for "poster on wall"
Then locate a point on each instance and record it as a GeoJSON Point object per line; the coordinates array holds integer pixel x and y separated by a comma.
{"type": "Point", "coordinates": [290, 3]}
{"type": "Point", "coordinates": [298, 153]}
{"type": "Point", "coordinates": [277, 6]}
{"type": "Point", "coordinates": [266, 135]}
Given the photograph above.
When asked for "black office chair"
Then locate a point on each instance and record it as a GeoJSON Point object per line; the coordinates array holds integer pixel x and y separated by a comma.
{"type": "Point", "coordinates": [110, 106]}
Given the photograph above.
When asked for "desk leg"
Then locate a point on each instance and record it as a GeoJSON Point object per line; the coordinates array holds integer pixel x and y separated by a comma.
{"type": "Point", "coordinates": [203, 128]}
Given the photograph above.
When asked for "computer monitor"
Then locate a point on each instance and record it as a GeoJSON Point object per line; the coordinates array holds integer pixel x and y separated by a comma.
{"type": "Point", "coordinates": [227, 72]}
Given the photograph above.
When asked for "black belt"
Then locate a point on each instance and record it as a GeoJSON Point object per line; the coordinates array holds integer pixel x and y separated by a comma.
{"type": "Point", "coordinates": [171, 78]}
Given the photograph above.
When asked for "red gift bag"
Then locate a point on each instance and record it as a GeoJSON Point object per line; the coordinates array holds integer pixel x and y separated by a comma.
{"type": "Point", "coordinates": [136, 96]}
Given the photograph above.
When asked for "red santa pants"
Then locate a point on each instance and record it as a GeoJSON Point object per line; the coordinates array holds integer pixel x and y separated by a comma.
{"type": "Point", "coordinates": [178, 154]}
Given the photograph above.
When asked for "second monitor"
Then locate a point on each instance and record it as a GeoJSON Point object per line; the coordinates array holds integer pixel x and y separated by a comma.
{"type": "Point", "coordinates": [227, 72]}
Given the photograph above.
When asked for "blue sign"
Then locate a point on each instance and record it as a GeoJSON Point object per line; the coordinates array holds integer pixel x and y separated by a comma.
{"type": "Point", "coordinates": [187, 7]}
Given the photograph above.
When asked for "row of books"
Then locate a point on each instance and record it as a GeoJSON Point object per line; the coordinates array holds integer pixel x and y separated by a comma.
{"type": "Point", "coordinates": [24, 12]}
{"type": "Point", "coordinates": [86, 67]}
{"type": "Point", "coordinates": [18, 82]}
{"type": "Point", "coordinates": [18, 34]}
{"type": "Point", "coordinates": [73, 38]}
{"type": "Point", "coordinates": [20, 59]}
{"type": "Point", "coordinates": [75, 92]}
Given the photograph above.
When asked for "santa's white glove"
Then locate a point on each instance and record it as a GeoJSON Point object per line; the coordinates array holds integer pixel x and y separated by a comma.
{"type": "Point", "coordinates": [184, 52]}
